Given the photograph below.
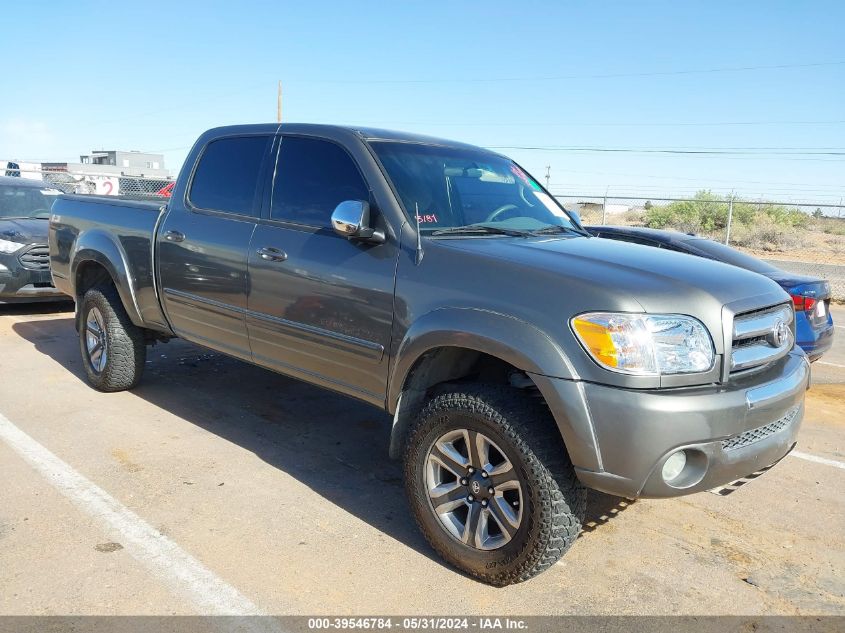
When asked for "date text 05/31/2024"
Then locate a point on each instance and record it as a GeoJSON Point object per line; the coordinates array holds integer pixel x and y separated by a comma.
{"type": "Point", "coordinates": [418, 623]}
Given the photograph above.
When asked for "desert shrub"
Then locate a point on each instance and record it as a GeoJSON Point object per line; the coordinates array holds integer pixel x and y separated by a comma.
{"type": "Point", "coordinates": [743, 213]}
{"type": "Point", "coordinates": [832, 226]}
{"type": "Point", "coordinates": [704, 213]}
{"type": "Point", "coordinates": [681, 216]}
{"type": "Point", "coordinates": [633, 217]}
{"type": "Point", "coordinates": [783, 216]}
{"type": "Point", "coordinates": [765, 234]}
{"type": "Point", "coordinates": [707, 214]}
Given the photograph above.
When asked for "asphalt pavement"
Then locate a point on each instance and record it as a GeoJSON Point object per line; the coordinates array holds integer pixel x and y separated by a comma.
{"type": "Point", "coordinates": [218, 487]}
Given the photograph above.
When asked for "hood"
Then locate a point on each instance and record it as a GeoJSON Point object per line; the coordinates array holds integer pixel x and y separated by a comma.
{"type": "Point", "coordinates": [24, 230]}
{"type": "Point", "coordinates": [655, 279]}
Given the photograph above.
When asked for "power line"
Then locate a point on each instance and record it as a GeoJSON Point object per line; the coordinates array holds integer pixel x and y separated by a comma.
{"type": "Point", "coordinates": [731, 181]}
{"type": "Point", "coordinates": [629, 188]}
{"type": "Point", "coordinates": [661, 73]}
{"type": "Point", "coordinates": [672, 150]}
{"type": "Point", "coordinates": [726, 155]}
{"type": "Point", "coordinates": [522, 124]}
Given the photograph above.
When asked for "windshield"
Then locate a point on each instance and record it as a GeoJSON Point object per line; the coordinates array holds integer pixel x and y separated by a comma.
{"type": "Point", "coordinates": [26, 202]}
{"type": "Point", "coordinates": [728, 255]}
{"type": "Point", "coordinates": [449, 188]}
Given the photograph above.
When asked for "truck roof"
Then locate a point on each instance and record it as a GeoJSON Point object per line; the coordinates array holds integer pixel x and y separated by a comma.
{"type": "Point", "coordinates": [339, 131]}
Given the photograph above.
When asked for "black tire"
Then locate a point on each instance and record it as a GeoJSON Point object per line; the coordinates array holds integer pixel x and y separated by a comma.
{"type": "Point", "coordinates": [524, 430]}
{"type": "Point", "coordinates": [124, 342]}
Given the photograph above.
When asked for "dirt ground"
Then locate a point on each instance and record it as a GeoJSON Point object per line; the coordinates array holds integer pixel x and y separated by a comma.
{"type": "Point", "coordinates": [262, 493]}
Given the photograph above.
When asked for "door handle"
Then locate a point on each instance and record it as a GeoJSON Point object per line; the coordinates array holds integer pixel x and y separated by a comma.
{"type": "Point", "coordinates": [272, 254]}
{"type": "Point", "coordinates": [174, 236]}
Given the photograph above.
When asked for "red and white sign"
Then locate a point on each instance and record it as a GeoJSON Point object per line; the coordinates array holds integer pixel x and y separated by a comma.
{"type": "Point", "coordinates": [104, 185]}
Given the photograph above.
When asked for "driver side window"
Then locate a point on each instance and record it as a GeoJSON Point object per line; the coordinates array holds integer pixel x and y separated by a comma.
{"type": "Point", "coordinates": [313, 176]}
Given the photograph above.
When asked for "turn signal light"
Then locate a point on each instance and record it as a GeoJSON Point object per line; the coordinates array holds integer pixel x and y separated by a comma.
{"type": "Point", "coordinates": [598, 341]}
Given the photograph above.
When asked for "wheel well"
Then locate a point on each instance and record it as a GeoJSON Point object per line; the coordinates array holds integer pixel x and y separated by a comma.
{"type": "Point", "coordinates": [449, 364]}
{"type": "Point", "coordinates": [452, 364]}
{"type": "Point", "coordinates": [89, 274]}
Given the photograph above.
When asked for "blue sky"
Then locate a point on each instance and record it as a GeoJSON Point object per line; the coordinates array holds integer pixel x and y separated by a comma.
{"type": "Point", "coordinates": [152, 75]}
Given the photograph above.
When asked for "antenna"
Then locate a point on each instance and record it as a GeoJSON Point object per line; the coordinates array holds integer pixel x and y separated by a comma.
{"type": "Point", "coordinates": [419, 235]}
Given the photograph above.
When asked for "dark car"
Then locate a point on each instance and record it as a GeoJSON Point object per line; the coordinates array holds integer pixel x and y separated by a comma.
{"type": "Point", "coordinates": [810, 295]}
{"type": "Point", "coordinates": [24, 255]}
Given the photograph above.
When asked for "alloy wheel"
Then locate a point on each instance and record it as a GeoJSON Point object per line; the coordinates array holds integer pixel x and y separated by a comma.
{"type": "Point", "coordinates": [473, 489]}
{"type": "Point", "coordinates": [96, 344]}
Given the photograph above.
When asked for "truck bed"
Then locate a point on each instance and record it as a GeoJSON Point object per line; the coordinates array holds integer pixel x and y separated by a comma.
{"type": "Point", "coordinates": [121, 227]}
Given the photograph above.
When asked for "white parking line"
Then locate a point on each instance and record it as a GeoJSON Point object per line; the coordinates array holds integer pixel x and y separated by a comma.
{"type": "Point", "coordinates": [824, 362]}
{"type": "Point", "coordinates": [818, 460]}
{"type": "Point", "coordinates": [209, 594]}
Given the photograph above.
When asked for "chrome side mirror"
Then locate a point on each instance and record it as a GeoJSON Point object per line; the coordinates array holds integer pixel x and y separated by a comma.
{"type": "Point", "coordinates": [351, 218]}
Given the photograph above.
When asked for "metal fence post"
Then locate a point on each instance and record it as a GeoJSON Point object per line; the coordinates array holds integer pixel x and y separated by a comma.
{"type": "Point", "coordinates": [604, 208]}
{"type": "Point", "coordinates": [730, 218]}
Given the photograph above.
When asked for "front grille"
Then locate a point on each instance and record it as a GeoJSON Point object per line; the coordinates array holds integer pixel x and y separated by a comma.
{"type": "Point", "coordinates": [761, 337]}
{"type": "Point", "coordinates": [760, 433]}
{"type": "Point", "coordinates": [36, 257]}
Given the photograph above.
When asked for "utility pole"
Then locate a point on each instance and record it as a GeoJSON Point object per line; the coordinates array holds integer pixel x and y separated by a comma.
{"type": "Point", "coordinates": [279, 104]}
{"type": "Point", "coordinates": [548, 175]}
{"type": "Point", "coordinates": [730, 217]}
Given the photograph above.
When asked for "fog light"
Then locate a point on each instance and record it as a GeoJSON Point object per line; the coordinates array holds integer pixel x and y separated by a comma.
{"type": "Point", "coordinates": [674, 465]}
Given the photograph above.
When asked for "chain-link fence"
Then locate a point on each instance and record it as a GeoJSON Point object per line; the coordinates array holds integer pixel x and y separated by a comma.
{"type": "Point", "coordinates": [96, 183]}
{"type": "Point", "coordinates": [610, 209]}
{"type": "Point", "coordinates": [806, 237]}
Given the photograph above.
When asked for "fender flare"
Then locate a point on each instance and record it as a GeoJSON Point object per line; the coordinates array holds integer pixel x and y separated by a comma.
{"type": "Point", "coordinates": [512, 340]}
{"type": "Point", "coordinates": [99, 246]}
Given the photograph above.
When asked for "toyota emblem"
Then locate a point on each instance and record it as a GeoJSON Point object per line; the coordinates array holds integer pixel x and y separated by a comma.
{"type": "Point", "coordinates": [476, 487]}
{"type": "Point", "coordinates": [780, 333]}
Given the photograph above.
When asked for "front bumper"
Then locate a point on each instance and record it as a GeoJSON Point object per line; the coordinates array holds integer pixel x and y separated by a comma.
{"type": "Point", "coordinates": [19, 285]}
{"type": "Point", "coordinates": [728, 431]}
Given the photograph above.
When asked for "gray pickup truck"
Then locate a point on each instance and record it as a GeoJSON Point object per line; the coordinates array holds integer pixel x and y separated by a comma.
{"type": "Point", "coordinates": [523, 361]}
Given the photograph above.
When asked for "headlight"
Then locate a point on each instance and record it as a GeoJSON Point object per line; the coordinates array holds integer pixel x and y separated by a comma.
{"type": "Point", "coordinates": [645, 345]}
{"type": "Point", "coordinates": [10, 247]}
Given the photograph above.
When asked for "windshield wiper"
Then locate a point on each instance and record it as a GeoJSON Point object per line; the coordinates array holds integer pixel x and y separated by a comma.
{"type": "Point", "coordinates": [479, 229]}
{"type": "Point", "coordinates": [556, 229]}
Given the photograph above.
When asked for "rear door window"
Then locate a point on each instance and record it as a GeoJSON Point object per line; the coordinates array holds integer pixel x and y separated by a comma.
{"type": "Point", "coordinates": [313, 176]}
{"type": "Point", "coordinates": [227, 176]}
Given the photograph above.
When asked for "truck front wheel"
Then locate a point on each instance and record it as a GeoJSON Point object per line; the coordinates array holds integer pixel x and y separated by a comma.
{"type": "Point", "coordinates": [113, 348]}
{"type": "Point", "coordinates": [490, 483]}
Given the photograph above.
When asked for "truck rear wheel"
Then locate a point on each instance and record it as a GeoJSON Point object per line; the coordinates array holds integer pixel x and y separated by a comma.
{"type": "Point", "coordinates": [490, 483]}
{"type": "Point", "coordinates": [113, 348]}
